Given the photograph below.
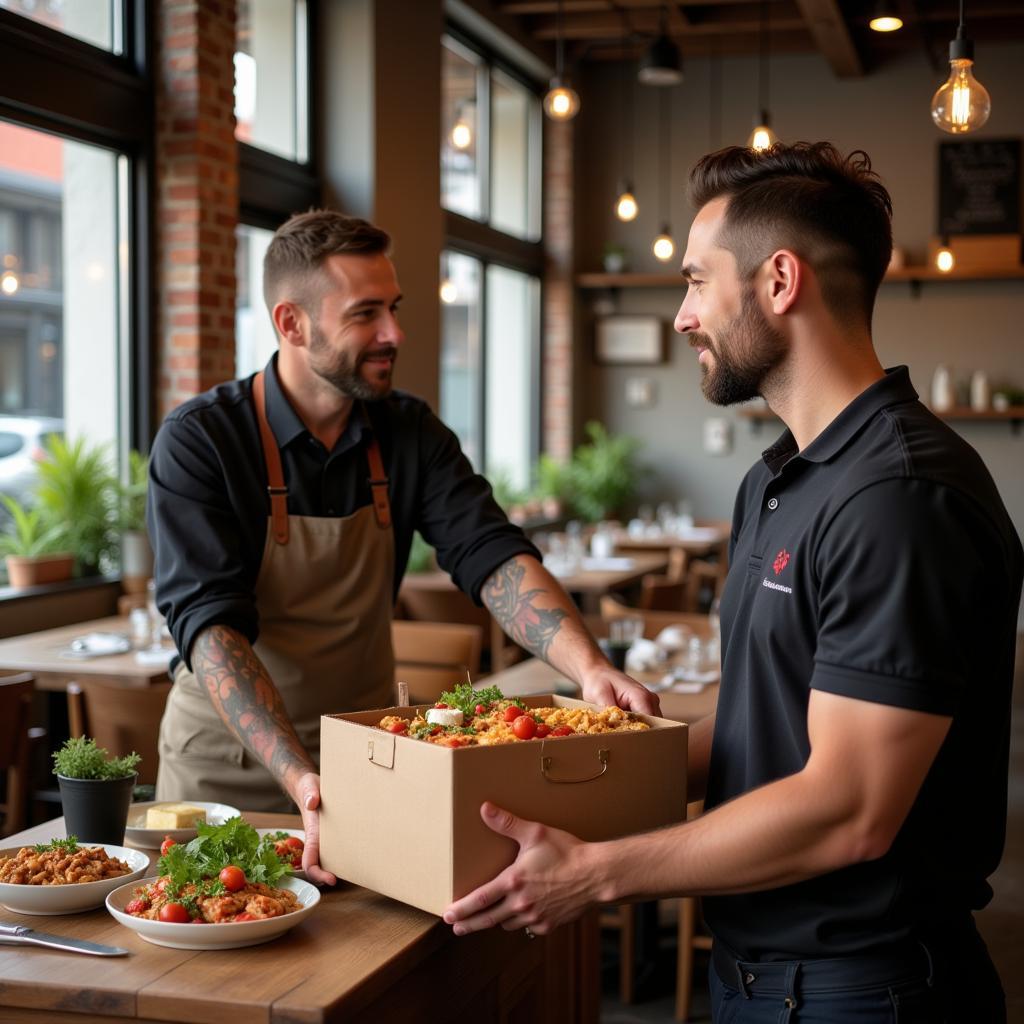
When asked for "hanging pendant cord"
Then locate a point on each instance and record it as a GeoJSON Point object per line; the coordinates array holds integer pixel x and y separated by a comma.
{"type": "Point", "coordinates": [762, 87]}
{"type": "Point", "coordinates": [558, 47]}
{"type": "Point", "coordinates": [666, 152]}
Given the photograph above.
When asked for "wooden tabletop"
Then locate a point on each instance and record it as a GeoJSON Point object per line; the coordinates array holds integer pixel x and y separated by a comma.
{"type": "Point", "coordinates": [700, 540]}
{"type": "Point", "coordinates": [358, 955]}
{"type": "Point", "coordinates": [44, 655]}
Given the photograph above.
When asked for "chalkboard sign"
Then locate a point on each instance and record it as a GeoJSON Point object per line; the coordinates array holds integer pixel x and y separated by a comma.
{"type": "Point", "coordinates": [979, 187]}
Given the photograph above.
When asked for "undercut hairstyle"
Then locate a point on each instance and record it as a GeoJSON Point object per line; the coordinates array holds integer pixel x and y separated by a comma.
{"type": "Point", "coordinates": [831, 210]}
{"type": "Point", "coordinates": [293, 264]}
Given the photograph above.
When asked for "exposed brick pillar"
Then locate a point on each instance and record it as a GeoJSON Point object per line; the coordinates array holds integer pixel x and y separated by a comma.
{"type": "Point", "coordinates": [557, 399]}
{"type": "Point", "coordinates": [197, 198]}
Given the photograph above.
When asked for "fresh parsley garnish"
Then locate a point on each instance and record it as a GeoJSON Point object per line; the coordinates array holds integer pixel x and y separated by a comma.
{"type": "Point", "coordinates": [465, 698]}
{"type": "Point", "coordinates": [68, 845]}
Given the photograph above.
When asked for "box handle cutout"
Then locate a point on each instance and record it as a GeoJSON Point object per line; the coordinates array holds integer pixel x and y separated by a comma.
{"type": "Point", "coordinates": [545, 769]}
{"type": "Point", "coordinates": [381, 751]}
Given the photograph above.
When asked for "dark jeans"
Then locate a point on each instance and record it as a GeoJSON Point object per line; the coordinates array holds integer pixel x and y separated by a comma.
{"type": "Point", "coordinates": [951, 981]}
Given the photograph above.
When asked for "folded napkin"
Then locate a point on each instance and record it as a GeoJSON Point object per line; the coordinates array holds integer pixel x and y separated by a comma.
{"type": "Point", "coordinates": [644, 656]}
{"type": "Point", "coordinates": [673, 638]}
{"type": "Point", "coordinates": [610, 564]}
{"type": "Point", "coordinates": [95, 645]}
{"type": "Point", "coordinates": [154, 655]}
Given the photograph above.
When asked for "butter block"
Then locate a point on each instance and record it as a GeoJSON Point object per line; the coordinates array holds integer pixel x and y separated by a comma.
{"type": "Point", "coordinates": [174, 816]}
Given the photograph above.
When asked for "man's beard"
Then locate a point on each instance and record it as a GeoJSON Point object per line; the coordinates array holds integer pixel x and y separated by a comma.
{"type": "Point", "coordinates": [746, 351]}
{"type": "Point", "coordinates": [343, 372]}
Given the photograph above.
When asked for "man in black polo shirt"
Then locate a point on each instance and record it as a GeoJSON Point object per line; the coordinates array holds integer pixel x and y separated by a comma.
{"type": "Point", "coordinates": [278, 620]}
{"type": "Point", "coordinates": [855, 771]}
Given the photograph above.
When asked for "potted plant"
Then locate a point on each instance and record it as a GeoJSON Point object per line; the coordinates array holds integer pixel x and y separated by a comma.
{"type": "Point", "coordinates": [35, 546]}
{"type": "Point", "coordinates": [603, 473]}
{"type": "Point", "coordinates": [136, 551]}
{"type": "Point", "coordinates": [77, 487]}
{"type": "Point", "coordinates": [615, 258]}
{"type": "Point", "coordinates": [553, 486]}
{"type": "Point", "coordinates": [95, 790]}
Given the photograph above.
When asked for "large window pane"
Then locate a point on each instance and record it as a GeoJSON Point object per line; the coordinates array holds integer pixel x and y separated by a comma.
{"type": "Point", "coordinates": [271, 77]}
{"type": "Point", "coordinates": [461, 124]}
{"type": "Point", "coordinates": [515, 147]}
{"type": "Point", "coordinates": [93, 21]}
{"type": "Point", "coordinates": [63, 269]}
{"type": "Point", "coordinates": [255, 339]}
{"type": "Point", "coordinates": [461, 352]}
{"type": "Point", "coordinates": [513, 320]}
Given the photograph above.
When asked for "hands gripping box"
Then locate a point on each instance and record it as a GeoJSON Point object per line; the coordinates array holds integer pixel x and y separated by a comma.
{"type": "Point", "coordinates": [402, 817]}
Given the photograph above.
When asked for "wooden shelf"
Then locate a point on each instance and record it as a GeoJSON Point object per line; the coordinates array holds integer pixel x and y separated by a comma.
{"type": "Point", "coordinates": [906, 274]}
{"type": "Point", "coordinates": [1014, 415]}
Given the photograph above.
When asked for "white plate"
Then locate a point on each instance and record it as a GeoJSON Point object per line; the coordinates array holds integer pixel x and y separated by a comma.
{"type": "Point", "coordinates": [151, 838]}
{"type": "Point", "coordinates": [213, 936]}
{"type": "Point", "coordinates": [71, 898]}
{"type": "Point", "coordinates": [292, 832]}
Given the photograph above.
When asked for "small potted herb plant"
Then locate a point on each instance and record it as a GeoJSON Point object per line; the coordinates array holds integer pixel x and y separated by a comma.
{"type": "Point", "coordinates": [35, 545]}
{"type": "Point", "coordinates": [95, 790]}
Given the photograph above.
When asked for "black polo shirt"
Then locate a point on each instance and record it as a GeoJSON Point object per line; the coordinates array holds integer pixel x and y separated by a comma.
{"type": "Point", "coordinates": [879, 564]}
{"type": "Point", "coordinates": [207, 508]}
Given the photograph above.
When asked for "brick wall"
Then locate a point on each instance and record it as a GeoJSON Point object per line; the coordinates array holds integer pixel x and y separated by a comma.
{"type": "Point", "coordinates": [196, 198]}
{"type": "Point", "coordinates": [556, 400]}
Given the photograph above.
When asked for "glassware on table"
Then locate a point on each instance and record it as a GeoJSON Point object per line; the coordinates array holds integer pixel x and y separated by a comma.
{"type": "Point", "coordinates": [684, 516]}
{"type": "Point", "coordinates": [602, 541]}
{"type": "Point", "coordinates": [667, 517]}
{"type": "Point", "coordinates": [156, 620]}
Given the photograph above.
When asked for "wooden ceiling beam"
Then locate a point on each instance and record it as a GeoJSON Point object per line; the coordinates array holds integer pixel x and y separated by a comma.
{"type": "Point", "coordinates": [827, 25]}
{"type": "Point", "coordinates": [715, 21]}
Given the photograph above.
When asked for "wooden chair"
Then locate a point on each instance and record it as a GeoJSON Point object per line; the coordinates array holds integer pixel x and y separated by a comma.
{"type": "Point", "coordinates": [120, 718]}
{"type": "Point", "coordinates": [434, 656]}
{"type": "Point", "coordinates": [16, 742]}
{"type": "Point", "coordinates": [666, 591]}
{"type": "Point", "coordinates": [689, 939]}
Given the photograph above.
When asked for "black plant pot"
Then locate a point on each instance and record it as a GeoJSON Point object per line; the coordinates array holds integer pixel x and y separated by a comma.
{"type": "Point", "coordinates": [96, 810]}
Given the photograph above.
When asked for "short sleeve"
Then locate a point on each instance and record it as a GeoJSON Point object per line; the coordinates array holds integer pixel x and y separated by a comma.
{"type": "Point", "coordinates": [901, 572]}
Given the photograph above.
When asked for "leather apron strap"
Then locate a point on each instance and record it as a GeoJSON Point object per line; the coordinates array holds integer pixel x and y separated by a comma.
{"type": "Point", "coordinates": [275, 474]}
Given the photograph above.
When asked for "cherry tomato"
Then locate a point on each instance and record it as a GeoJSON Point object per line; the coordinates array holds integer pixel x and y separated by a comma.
{"type": "Point", "coordinates": [562, 730]}
{"type": "Point", "coordinates": [243, 917]}
{"type": "Point", "coordinates": [163, 883]}
{"type": "Point", "coordinates": [166, 845]}
{"type": "Point", "coordinates": [232, 878]}
{"type": "Point", "coordinates": [174, 913]}
{"type": "Point", "coordinates": [440, 704]}
{"type": "Point", "coordinates": [435, 730]}
{"type": "Point", "coordinates": [295, 843]}
{"type": "Point", "coordinates": [512, 712]}
{"type": "Point", "coordinates": [542, 730]}
{"type": "Point", "coordinates": [136, 906]}
{"type": "Point", "coordinates": [399, 726]}
{"type": "Point", "coordinates": [524, 727]}
{"type": "Point", "coordinates": [197, 920]}
{"type": "Point", "coordinates": [480, 709]}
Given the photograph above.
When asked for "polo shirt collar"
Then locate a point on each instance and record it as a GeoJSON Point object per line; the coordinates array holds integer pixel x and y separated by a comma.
{"type": "Point", "coordinates": [893, 389]}
{"type": "Point", "coordinates": [285, 421]}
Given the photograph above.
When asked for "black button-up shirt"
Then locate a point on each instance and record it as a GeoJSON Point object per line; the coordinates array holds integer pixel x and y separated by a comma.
{"type": "Point", "coordinates": [879, 563]}
{"type": "Point", "coordinates": [208, 506]}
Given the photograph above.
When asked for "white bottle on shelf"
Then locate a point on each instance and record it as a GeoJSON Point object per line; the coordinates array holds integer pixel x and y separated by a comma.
{"type": "Point", "coordinates": [942, 389]}
{"type": "Point", "coordinates": [979, 391]}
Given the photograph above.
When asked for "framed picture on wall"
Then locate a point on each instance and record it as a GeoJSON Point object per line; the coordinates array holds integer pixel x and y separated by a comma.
{"type": "Point", "coordinates": [629, 340]}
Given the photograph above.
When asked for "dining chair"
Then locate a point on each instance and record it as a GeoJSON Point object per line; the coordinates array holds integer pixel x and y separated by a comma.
{"type": "Point", "coordinates": [434, 656]}
{"type": "Point", "coordinates": [16, 742]}
{"type": "Point", "coordinates": [690, 939]}
{"type": "Point", "coordinates": [667, 591]}
{"type": "Point", "coordinates": [120, 718]}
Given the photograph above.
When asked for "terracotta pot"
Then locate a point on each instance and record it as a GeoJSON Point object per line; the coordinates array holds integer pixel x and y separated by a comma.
{"type": "Point", "coordinates": [31, 572]}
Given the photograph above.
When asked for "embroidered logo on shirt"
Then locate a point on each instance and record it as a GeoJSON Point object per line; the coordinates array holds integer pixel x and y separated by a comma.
{"type": "Point", "coordinates": [781, 561]}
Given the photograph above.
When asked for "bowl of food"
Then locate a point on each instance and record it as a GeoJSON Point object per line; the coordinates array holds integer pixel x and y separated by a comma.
{"type": "Point", "coordinates": [289, 844]}
{"type": "Point", "coordinates": [229, 880]}
{"type": "Point", "coordinates": [150, 823]}
{"type": "Point", "coordinates": [65, 877]}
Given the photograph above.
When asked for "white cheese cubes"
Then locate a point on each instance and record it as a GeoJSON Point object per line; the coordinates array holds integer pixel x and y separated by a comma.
{"type": "Point", "coordinates": [445, 716]}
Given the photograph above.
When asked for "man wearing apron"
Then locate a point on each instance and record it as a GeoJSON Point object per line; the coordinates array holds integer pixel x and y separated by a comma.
{"type": "Point", "coordinates": [282, 509]}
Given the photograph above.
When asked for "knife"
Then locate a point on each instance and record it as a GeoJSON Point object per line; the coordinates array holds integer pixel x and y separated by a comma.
{"type": "Point", "coordinates": [16, 934]}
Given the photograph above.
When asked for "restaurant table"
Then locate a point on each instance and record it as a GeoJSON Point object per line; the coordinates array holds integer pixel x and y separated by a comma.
{"type": "Point", "coordinates": [590, 584]}
{"type": "Point", "coordinates": [42, 654]}
{"type": "Point", "coordinates": [359, 956]}
{"type": "Point", "coordinates": [699, 540]}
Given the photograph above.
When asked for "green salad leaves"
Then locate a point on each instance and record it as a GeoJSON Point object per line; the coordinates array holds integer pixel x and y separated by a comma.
{"type": "Point", "coordinates": [465, 698]}
{"type": "Point", "coordinates": [235, 842]}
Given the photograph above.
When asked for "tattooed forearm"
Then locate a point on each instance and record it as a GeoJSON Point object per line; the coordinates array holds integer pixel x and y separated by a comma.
{"type": "Point", "coordinates": [248, 702]}
{"type": "Point", "coordinates": [531, 627]}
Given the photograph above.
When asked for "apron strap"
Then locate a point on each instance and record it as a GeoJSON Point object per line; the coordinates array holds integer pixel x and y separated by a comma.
{"type": "Point", "coordinates": [272, 457]}
{"type": "Point", "coordinates": [378, 479]}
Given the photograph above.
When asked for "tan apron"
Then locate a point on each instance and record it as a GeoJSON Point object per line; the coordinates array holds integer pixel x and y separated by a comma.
{"type": "Point", "coordinates": [324, 601]}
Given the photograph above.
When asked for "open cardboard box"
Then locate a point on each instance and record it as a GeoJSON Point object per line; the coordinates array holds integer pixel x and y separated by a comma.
{"type": "Point", "coordinates": [402, 817]}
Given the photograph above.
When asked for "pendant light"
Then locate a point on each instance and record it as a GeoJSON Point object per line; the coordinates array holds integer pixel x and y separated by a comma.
{"type": "Point", "coordinates": [561, 103]}
{"type": "Point", "coordinates": [661, 64]}
{"type": "Point", "coordinates": [944, 258]}
{"type": "Point", "coordinates": [626, 206]}
{"type": "Point", "coordinates": [461, 135]}
{"type": "Point", "coordinates": [885, 17]}
{"type": "Point", "coordinates": [664, 248]}
{"type": "Point", "coordinates": [961, 104]}
{"type": "Point", "coordinates": [762, 137]}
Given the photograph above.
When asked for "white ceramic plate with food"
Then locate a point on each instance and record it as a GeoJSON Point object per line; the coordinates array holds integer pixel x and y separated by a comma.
{"type": "Point", "coordinates": [72, 897]}
{"type": "Point", "coordinates": [298, 834]}
{"type": "Point", "coordinates": [213, 936]}
{"type": "Point", "coordinates": [151, 838]}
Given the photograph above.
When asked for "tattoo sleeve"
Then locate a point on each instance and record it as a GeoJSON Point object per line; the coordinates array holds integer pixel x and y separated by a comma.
{"type": "Point", "coordinates": [247, 700]}
{"type": "Point", "coordinates": [514, 609]}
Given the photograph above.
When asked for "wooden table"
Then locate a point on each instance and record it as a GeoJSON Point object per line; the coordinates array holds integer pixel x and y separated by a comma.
{"type": "Point", "coordinates": [41, 654]}
{"type": "Point", "coordinates": [701, 540]}
{"type": "Point", "coordinates": [358, 957]}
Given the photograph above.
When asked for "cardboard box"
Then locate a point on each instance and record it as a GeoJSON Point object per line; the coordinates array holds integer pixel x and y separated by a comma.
{"type": "Point", "coordinates": [402, 817]}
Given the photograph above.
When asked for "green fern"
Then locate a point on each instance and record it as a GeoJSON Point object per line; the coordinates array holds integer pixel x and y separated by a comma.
{"type": "Point", "coordinates": [603, 473]}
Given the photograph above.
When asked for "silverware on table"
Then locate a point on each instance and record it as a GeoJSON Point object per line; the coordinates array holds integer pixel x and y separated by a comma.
{"type": "Point", "coordinates": [17, 935]}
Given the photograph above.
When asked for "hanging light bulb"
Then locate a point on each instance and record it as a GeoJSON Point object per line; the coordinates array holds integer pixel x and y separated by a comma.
{"type": "Point", "coordinates": [562, 103]}
{"type": "Point", "coordinates": [944, 258]}
{"type": "Point", "coordinates": [9, 282]}
{"type": "Point", "coordinates": [762, 137]}
{"type": "Point", "coordinates": [461, 135]}
{"type": "Point", "coordinates": [664, 248]}
{"type": "Point", "coordinates": [885, 18]}
{"type": "Point", "coordinates": [626, 207]}
{"type": "Point", "coordinates": [449, 293]}
{"type": "Point", "coordinates": [961, 104]}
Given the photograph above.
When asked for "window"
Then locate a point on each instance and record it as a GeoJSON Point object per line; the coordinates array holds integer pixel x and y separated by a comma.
{"type": "Point", "coordinates": [461, 353]}
{"type": "Point", "coordinates": [99, 22]}
{"type": "Point", "coordinates": [255, 340]}
{"type": "Point", "coordinates": [272, 77]}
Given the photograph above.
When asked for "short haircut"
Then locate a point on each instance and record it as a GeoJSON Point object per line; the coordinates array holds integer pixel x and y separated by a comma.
{"type": "Point", "coordinates": [293, 264]}
{"type": "Point", "coordinates": [831, 210]}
